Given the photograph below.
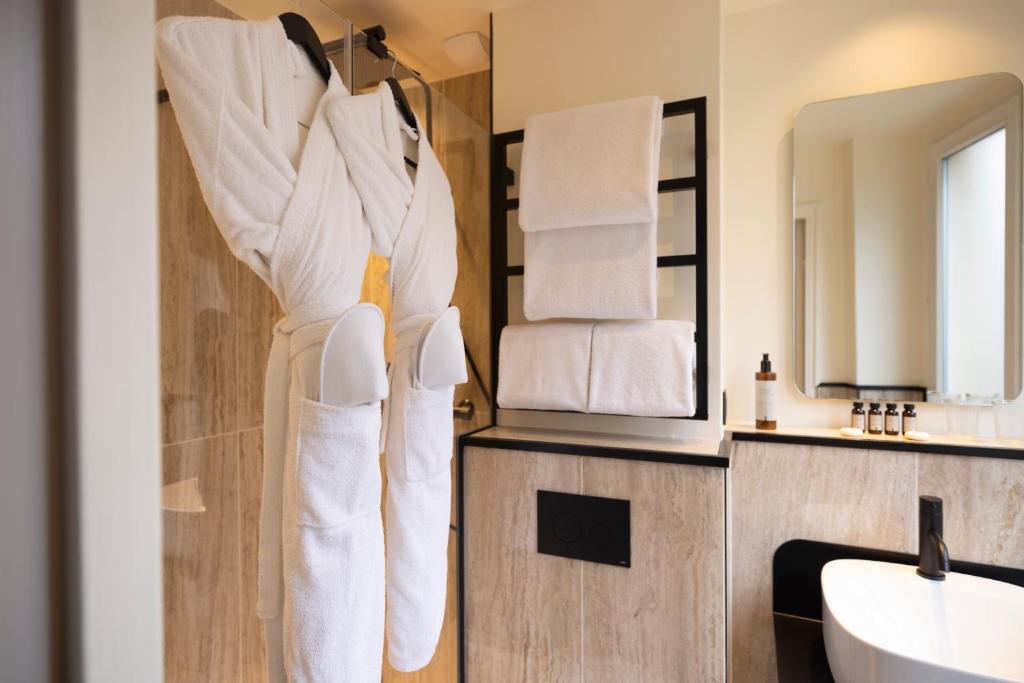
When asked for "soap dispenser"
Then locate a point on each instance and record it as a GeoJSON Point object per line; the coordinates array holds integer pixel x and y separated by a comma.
{"type": "Point", "coordinates": [765, 388]}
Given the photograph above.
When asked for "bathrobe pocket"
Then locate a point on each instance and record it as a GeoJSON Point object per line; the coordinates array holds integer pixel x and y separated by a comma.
{"type": "Point", "coordinates": [428, 432]}
{"type": "Point", "coordinates": [337, 463]}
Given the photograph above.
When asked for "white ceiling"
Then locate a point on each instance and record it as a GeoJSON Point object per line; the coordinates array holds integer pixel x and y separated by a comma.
{"type": "Point", "coordinates": [415, 28]}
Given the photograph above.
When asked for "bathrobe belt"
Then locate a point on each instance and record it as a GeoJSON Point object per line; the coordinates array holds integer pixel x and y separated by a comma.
{"type": "Point", "coordinates": [306, 325]}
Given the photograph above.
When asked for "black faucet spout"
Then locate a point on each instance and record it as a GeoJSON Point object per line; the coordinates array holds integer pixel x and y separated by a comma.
{"type": "Point", "coordinates": [933, 556]}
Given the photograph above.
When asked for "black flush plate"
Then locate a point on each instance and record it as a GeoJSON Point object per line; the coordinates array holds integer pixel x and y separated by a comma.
{"type": "Point", "coordinates": [583, 527]}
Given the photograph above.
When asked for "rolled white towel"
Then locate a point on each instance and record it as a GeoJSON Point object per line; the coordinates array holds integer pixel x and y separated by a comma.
{"type": "Point", "coordinates": [545, 366]}
{"type": "Point", "coordinates": [643, 368]}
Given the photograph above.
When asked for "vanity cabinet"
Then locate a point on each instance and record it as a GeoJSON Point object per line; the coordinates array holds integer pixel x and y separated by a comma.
{"type": "Point", "coordinates": [536, 617]}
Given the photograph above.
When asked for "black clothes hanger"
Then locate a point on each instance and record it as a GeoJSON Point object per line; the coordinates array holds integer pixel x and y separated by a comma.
{"type": "Point", "coordinates": [300, 32]}
{"type": "Point", "coordinates": [375, 36]}
{"type": "Point", "coordinates": [402, 102]}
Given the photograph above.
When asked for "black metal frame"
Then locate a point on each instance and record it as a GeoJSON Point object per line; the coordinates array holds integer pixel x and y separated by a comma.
{"type": "Point", "coordinates": [860, 388]}
{"type": "Point", "coordinates": [698, 183]}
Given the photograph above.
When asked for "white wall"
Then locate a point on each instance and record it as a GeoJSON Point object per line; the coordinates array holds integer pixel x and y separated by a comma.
{"type": "Point", "coordinates": [826, 182]}
{"type": "Point", "coordinates": [116, 512]}
{"type": "Point", "coordinates": [893, 255]}
{"type": "Point", "coordinates": [553, 54]}
{"type": "Point", "coordinates": [777, 59]}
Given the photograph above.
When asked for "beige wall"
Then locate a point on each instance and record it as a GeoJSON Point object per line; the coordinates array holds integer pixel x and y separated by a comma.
{"type": "Point", "coordinates": [893, 257]}
{"type": "Point", "coordinates": [825, 191]}
{"type": "Point", "coordinates": [564, 53]}
{"type": "Point", "coordinates": [777, 59]}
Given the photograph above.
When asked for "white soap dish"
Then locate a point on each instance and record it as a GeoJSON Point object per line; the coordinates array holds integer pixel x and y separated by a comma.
{"type": "Point", "coordinates": [918, 436]}
{"type": "Point", "coordinates": [852, 432]}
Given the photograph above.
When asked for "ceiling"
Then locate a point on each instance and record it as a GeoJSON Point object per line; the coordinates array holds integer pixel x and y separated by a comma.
{"type": "Point", "coordinates": [415, 28]}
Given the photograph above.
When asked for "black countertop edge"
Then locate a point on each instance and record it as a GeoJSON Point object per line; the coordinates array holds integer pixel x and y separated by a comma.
{"type": "Point", "coordinates": [871, 444]}
{"type": "Point", "coordinates": [594, 451]}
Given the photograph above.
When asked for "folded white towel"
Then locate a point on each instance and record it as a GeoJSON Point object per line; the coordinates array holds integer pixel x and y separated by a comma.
{"type": "Point", "coordinates": [604, 272]}
{"type": "Point", "coordinates": [593, 165]}
{"type": "Point", "coordinates": [643, 368]}
{"type": "Point", "coordinates": [544, 367]}
{"type": "Point", "coordinates": [588, 205]}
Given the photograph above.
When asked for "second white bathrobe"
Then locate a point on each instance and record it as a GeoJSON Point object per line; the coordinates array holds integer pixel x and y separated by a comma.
{"type": "Point", "coordinates": [413, 224]}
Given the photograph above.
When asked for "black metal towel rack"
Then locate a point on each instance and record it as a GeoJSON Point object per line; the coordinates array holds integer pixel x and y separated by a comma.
{"type": "Point", "coordinates": [501, 271]}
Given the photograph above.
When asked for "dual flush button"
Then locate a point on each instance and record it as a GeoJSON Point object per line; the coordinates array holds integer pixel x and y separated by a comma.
{"type": "Point", "coordinates": [583, 527]}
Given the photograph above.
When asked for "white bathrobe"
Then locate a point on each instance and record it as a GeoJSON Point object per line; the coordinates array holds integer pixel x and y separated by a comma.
{"type": "Point", "coordinates": [414, 225]}
{"type": "Point", "coordinates": [303, 218]}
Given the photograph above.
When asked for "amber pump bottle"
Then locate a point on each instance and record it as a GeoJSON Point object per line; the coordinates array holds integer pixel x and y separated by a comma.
{"type": "Point", "coordinates": [765, 388]}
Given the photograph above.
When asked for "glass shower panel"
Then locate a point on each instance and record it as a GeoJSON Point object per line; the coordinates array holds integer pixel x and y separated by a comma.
{"type": "Point", "coordinates": [216, 322]}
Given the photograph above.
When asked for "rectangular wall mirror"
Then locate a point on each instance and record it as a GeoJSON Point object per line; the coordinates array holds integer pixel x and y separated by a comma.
{"type": "Point", "coordinates": [907, 243]}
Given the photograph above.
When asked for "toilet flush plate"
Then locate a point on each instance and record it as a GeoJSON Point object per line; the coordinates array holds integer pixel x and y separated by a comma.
{"type": "Point", "coordinates": [583, 527]}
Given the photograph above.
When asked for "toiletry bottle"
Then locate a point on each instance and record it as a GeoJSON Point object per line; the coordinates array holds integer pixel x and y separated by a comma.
{"type": "Point", "coordinates": [764, 395]}
{"type": "Point", "coordinates": [875, 419]}
{"type": "Point", "coordinates": [858, 418]}
{"type": "Point", "coordinates": [909, 418]}
{"type": "Point", "coordinates": [892, 420]}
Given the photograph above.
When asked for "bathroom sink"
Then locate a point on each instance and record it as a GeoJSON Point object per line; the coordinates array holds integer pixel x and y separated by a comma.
{"type": "Point", "coordinates": [885, 624]}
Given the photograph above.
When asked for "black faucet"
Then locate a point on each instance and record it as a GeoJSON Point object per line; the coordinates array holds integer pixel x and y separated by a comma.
{"type": "Point", "coordinates": [933, 557]}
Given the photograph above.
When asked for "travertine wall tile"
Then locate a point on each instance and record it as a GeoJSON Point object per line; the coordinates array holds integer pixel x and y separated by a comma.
{"type": "Point", "coordinates": [522, 608]}
{"type": "Point", "coordinates": [780, 492]}
{"type": "Point", "coordinates": [252, 644]}
{"type": "Point", "coordinates": [983, 506]}
{"type": "Point", "coordinates": [201, 565]}
{"type": "Point", "coordinates": [197, 272]}
{"type": "Point", "coordinates": [663, 619]}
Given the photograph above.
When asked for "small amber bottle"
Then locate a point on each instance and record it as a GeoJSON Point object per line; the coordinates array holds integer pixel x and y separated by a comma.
{"type": "Point", "coordinates": [892, 420]}
{"type": "Point", "coordinates": [909, 418]}
{"type": "Point", "coordinates": [858, 418]}
{"type": "Point", "coordinates": [875, 419]}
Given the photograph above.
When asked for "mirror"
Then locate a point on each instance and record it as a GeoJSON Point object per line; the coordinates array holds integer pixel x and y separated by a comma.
{"type": "Point", "coordinates": [907, 243]}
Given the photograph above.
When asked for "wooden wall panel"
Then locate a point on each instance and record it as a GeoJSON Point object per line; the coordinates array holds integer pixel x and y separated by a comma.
{"type": "Point", "coordinates": [534, 617]}
{"type": "Point", "coordinates": [522, 608]}
{"type": "Point", "coordinates": [663, 619]}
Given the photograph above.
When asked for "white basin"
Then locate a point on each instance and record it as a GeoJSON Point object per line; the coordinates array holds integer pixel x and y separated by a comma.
{"type": "Point", "coordinates": [886, 624]}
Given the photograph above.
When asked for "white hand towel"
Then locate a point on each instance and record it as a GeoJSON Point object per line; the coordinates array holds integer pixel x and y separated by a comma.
{"type": "Point", "coordinates": [643, 368]}
{"type": "Point", "coordinates": [544, 366]}
{"type": "Point", "coordinates": [588, 205]}
{"type": "Point", "coordinates": [593, 165]}
{"type": "Point", "coordinates": [604, 272]}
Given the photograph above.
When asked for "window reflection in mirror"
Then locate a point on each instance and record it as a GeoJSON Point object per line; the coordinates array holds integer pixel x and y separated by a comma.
{"type": "Point", "coordinates": [907, 243]}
